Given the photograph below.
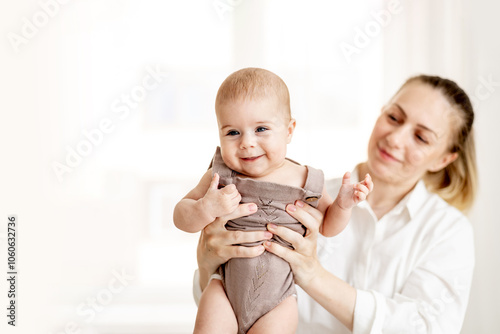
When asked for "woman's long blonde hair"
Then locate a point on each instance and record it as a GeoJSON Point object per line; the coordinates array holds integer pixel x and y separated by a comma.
{"type": "Point", "coordinates": [457, 182]}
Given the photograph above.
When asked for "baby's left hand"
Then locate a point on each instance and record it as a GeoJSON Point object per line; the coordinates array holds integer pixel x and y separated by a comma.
{"type": "Point", "coordinates": [351, 194]}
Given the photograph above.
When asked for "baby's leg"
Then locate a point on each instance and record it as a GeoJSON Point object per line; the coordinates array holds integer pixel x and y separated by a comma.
{"type": "Point", "coordinates": [215, 314]}
{"type": "Point", "coordinates": [282, 319]}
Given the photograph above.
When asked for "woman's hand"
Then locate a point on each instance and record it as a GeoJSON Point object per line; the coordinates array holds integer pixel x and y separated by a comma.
{"type": "Point", "coordinates": [217, 245]}
{"type": "Point", "coordinates": [303, 260]}
{"type": "Point", "coordinates": [335, 295]}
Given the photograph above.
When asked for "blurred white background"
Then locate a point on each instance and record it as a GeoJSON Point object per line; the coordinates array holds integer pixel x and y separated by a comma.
{"type": "Point", "coordinates": [107, 120]}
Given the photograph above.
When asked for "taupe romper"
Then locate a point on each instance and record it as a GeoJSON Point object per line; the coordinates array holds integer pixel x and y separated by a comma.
{"type": "Point", "coordinates": [255, 286]}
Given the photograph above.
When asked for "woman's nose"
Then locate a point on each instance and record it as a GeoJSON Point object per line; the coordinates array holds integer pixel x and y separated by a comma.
{"type": "Point", "coordinates": [396, 137]}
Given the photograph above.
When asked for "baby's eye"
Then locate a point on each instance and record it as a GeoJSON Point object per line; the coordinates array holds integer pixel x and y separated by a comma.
{"type": "Point", "coordinates": [233, 133]}
{"type": "Point", "coordinates": [261, 129]}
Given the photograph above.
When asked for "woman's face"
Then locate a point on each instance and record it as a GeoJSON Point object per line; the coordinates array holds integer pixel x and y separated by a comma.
{"type": "Point", "coordinates": [411, 136]}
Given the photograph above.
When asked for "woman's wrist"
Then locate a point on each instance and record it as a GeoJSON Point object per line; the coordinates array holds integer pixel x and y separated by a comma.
{"type": "Point", "coordinates": [334, 294]}
{"type": "Point", "coordinates": [204, 278]}
{"type": "Point", "coordinates": [205, 266]}
{"type": "Point", "coordinates": [206, 269]}
{"type": "Point", "coordinates": [310, 276]}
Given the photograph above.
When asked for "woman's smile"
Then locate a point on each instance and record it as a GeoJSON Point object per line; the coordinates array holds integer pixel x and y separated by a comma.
{"type": "Point", "coordinates": [387, 156]}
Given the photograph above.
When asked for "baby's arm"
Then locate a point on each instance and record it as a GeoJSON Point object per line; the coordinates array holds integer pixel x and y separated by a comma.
{"type": "Point", "coordinates": [205, 203]}
{"type": "Point", "coordinates": [339, 212]}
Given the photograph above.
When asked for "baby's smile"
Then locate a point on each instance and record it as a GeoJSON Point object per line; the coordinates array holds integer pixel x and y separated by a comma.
{"type": "Point", "coordinates": [250, 159]}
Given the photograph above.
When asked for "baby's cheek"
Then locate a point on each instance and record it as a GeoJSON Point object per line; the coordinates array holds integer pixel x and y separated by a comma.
{"type": "Point", "coordinates": [231, 165]}
{"type": "Point", "coordinates": [227, 158]}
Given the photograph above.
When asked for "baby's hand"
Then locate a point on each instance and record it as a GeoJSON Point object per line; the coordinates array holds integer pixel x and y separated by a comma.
{"type": "Point", "coordinates": [220, 202]}
{"type": "Point", "coordinates": [351, 194]}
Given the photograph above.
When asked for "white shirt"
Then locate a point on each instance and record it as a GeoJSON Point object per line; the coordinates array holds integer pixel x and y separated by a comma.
{"type": "Point", "coordinates": [412, 268]}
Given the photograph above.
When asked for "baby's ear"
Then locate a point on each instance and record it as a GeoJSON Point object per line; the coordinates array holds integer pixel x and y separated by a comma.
{"type": "Point", "coordinates": [291, 128]}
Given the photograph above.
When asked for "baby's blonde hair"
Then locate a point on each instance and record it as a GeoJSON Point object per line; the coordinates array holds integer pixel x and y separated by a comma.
{"type": "Point", "coordinates": [253, 83]}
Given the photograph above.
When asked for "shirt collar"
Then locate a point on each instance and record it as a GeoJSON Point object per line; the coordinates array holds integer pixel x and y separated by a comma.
{"type": "Point", "coordinates": [416, 198]}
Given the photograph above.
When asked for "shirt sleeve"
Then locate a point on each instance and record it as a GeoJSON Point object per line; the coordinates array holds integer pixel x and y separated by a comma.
{"type": "Point", "coordinates": [196, 287]}
{"type": "Point", "coordinates": [435, 295]}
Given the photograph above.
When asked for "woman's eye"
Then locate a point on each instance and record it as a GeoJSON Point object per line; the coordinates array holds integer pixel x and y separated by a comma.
{"type": "Point", "coordinates": [261, 129]}
{"type": "Point", "coordinates": [233, 133]}
{"type": "Point", "coordinates": [392, 117]}
{"type": "Point", "coordinates": [421, 139]}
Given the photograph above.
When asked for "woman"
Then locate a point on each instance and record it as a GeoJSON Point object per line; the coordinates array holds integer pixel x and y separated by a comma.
{"type": "Point", "coordinates": [404, 263]}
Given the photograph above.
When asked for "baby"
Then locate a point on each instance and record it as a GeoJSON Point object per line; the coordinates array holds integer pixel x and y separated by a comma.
{"type": "Point", "coordinates": [257, 295]}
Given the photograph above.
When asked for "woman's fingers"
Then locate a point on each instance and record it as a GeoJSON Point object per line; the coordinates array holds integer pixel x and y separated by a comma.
{"type": "Point", "coordinates": [286, 254]}
{"type": "Point", "coordinates": [303, 261]}
{"type": "Point", "coordinates": [310, 217]}
{"type": "Point", "coordinates": [247, 237]}
{"type": "Point", "coordinates": [220, 242]}
{"type": "Point", "coordinates": [287, 234]}
{"type": "Point", "coordinates": [226, 247]}
{"type": "Point", "coordinates": [243, 251]}
{"type": "Point", "coordinates": [222, 246]}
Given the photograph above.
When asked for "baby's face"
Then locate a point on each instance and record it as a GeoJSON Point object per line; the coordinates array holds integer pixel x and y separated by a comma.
{"type": "Point", "coordinates": [253, 135]}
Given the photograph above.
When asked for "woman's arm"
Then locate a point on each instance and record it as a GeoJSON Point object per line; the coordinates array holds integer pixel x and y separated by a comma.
{"type": "Point", "coordinates": [433, 298]}
{"type": "Point", "coordinates": [335, 295]}
{"type": "Point", "coordinates": [217, 245]}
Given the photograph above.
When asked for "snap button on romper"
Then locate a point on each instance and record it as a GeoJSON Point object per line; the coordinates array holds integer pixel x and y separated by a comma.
{"type": "Point", "coordinates": [255, 286]}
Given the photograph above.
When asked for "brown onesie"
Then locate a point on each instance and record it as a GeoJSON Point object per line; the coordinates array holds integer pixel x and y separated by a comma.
{"type": "Point", "coordinates": [255, 286]}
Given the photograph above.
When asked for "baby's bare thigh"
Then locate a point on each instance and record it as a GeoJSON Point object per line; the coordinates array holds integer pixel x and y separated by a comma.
{"type": "Point", "coordinates": [282, 319]}
{"type": "Point", "coordinates": [215, 314]}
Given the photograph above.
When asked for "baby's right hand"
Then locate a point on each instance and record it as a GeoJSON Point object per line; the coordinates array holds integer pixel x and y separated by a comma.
{"type": "Point", "coordinates": [220, 202]}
